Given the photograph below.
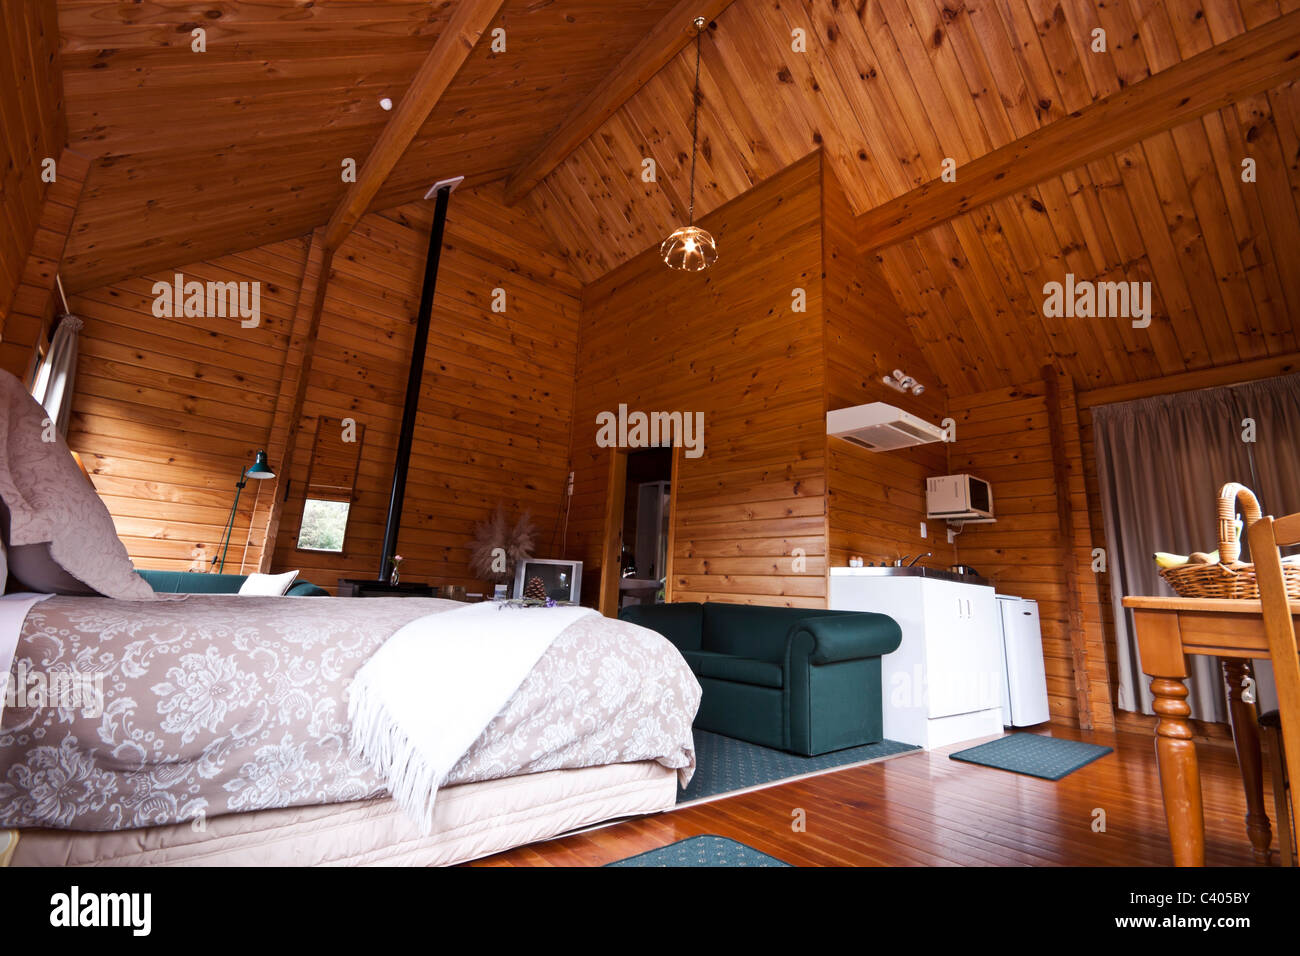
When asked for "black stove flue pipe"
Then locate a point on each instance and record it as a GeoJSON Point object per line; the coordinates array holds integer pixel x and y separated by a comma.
{"type": "Point", "coordinates": [443, 191]}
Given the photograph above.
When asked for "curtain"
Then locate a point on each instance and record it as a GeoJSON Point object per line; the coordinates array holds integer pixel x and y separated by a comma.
{"type": "Point", "coordinates": [1160, 463]}
{"type": "Point", "coordinates": [1274, 404]}
{"type": "Point", "coordinates": [54, 379]}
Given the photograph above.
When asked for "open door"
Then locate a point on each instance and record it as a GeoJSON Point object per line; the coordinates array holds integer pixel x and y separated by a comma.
{"type": "Point", "coordinates": [672, 522]}
{"type": "Point", "coordinates": [611, 552]}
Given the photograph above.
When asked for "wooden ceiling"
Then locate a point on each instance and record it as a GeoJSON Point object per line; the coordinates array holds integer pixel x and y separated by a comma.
{"type": "Point", "coordinates": [890, 88]}
{"type": "Point", "coordinates": [206, 153]}
{"type": "Point", "coordinates": [31, 129]}
{"type": "Point", "coordinates": [1172, 210]}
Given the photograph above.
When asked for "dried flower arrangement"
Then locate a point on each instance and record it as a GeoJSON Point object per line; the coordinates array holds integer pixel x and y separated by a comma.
{"type": "Point", "coordinates": [497, 539]}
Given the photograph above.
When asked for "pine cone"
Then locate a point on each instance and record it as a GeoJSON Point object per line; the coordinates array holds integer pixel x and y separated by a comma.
{"type": "Point", "coordinates": [535, 590]}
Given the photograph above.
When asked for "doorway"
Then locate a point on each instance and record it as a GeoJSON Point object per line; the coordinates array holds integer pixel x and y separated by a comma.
{"type": "Point", "coordinates": [636, 566]}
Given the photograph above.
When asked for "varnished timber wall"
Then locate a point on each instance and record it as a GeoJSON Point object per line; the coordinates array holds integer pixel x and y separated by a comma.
{"type": "Point", "coordinates": [32, 128]}
{"type": "Point", "coordinates": [168, 411]}
{"type": "Point", "coordinates": [1004, 436]}
{"type": "Point", "coordinates": [726, 343]}
{"type": "Point", "coordinates": [496, 398]}
{"type": "Point", "coordinates": [876, 501]}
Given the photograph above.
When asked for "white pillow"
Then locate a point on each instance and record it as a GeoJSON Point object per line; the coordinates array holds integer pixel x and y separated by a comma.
{"type": "Point", "coordinates": [268, 585]}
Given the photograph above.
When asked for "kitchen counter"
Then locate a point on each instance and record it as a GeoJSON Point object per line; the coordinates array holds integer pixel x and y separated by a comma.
{"type": "Point", "coordinates": [917, 571]}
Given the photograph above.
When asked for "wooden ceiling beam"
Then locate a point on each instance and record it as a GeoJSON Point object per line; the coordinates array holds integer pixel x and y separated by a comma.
{"type": "Point", "coordinates": [1212, 377]}
{"type": "Point", "coordinates": [436, 73]}
{"type": "Point", "coordinates": [1249, 63]}
{"type": "Point", "coordinates": [287, 418]}
{"type": "Point", "coordinates": [668, 38]}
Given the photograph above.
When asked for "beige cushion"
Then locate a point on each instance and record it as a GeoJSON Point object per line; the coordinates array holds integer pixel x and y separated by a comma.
{"type": "Point", "coordinates": [58, 534]}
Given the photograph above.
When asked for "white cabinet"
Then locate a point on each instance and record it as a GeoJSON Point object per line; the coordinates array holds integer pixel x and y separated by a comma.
{"type": "Point", "coordinates": [961, 647]}
{"type": "Point", "coordinates": [944, 683]}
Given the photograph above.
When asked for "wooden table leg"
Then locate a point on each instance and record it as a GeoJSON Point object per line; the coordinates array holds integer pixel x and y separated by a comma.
{"type": "Point", "coordinates": [1180, 776]}
{"type": "Point", "coordinates": [1245, 735]}
{"type": "Point", "coordinates": [1161, 648]}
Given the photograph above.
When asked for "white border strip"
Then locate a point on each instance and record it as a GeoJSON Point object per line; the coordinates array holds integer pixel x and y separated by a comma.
{"type": "Point", "coordinates": [784, 780]}
{"type": "Point", "coordinates": [735, 793]}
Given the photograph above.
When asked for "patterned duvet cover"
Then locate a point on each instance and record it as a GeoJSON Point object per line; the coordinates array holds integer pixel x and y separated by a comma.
{"type": "Point", "coordinates": [221, 704]}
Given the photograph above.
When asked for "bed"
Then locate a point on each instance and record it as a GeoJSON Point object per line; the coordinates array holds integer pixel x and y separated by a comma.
{"type": "Point", "coordinates": [222, 737]}
{"type": "Point", "coordinates": [141, 728]}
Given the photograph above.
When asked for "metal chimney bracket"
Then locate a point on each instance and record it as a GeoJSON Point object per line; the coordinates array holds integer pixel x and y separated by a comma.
{"type": "Point", "coordinates": [449, 184]}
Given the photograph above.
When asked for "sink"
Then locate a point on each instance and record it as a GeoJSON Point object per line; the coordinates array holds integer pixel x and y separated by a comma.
{"type": "Point", "coordinates": [916, 571]}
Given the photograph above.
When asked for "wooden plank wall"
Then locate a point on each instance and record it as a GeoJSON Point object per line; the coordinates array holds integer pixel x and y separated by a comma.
{"type": "Point", "coordinates": [168, 411]}
{"type": "Point", "coordinates": [32, 128]}
{"type": "Point", "coordinates": [496, 398]}
{"type": "Point", "coordinates": [876, 501]}
{"type": "Point", "coordinates": [726, 343]}
{"type": "Point", "coordinates": [1003, 437]}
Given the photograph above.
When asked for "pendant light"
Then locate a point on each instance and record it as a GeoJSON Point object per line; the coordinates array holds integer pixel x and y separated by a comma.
{"type": "Point", "coordinates": [690, 247]}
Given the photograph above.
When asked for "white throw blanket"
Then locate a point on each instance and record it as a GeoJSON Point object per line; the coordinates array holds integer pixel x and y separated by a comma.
{"type": "Point", "coordinates": [422, 700]}
{"type": "Point", "coordinates": [13, 612]}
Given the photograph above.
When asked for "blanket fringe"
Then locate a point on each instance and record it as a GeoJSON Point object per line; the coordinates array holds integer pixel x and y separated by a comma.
{"type": "Point", "coordinates": [377, 739]}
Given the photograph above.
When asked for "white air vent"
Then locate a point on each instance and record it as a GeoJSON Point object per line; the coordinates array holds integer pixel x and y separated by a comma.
{"type": "Point", "coordinates": [881, 427]}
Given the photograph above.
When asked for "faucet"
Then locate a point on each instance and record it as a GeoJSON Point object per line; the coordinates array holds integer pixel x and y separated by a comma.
{"type": "Point", "coordinates": [898, 562]}
{"type": "Point", "coordinates": [919, 557]}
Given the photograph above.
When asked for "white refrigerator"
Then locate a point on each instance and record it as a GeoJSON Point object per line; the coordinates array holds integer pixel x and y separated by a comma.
{"type": "Point", "coordinates": [1024, 679]}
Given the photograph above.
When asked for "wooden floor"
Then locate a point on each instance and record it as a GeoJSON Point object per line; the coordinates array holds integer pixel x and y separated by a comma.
{"type": "Point", "coordinates": [924, 809]}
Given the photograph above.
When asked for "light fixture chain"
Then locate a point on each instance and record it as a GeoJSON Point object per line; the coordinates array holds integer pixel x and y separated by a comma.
{"type": "Point", "coordinates": [695, 126]}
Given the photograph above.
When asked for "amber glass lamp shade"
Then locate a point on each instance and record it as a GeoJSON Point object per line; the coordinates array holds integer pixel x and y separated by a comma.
{"type": "Point", "coordinates": [689, 248]}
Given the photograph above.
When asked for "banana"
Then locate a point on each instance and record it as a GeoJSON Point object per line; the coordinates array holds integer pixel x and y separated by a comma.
{"type": "Point", "coordinates": [1167, 560]}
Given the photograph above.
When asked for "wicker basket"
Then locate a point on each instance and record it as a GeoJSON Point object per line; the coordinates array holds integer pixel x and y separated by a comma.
{"type": "Point", "coordinates": [1230, 578]}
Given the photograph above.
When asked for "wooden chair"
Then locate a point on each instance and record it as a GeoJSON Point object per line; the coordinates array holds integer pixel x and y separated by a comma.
{"type": "Point", "coordinates": [1266, 536]}
{"type": "Point", "coordinates": [1270, 727]}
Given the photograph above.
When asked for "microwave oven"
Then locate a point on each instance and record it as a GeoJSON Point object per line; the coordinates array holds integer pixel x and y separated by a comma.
{"type": "Point", "coordinates": [958, 496]}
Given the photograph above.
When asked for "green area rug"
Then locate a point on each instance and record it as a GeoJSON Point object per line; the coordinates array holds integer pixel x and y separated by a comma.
{"type": "Point", "coordinates": [724, 764]}
{"type": "Point", "coordinates": [1050, 758]}
{"type": "Point", "coordinates": [702, 851]}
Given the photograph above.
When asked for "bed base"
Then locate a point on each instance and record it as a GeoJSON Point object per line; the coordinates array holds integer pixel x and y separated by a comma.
{"type": "Point", "coordinates": [470, 821]}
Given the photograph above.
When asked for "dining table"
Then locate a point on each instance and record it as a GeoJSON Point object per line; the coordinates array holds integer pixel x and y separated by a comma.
{"type": "Point", "coordinates": [1168, 629]}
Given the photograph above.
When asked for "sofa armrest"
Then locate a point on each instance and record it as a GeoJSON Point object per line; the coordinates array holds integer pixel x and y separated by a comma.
{"type": "Point", "coordinates": [306, 589]}
{"type": "Point", "coordinates": [843, 637]}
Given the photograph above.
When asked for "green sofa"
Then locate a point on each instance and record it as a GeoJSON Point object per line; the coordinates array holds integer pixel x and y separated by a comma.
{"type": "Point", "coordinates": [805, 681]}
{"type": "Point", "coordinates": [188, 582]}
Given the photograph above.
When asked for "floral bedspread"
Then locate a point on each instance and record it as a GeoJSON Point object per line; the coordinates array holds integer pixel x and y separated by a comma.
{"type": "Point", "coordinates": [219, 704]}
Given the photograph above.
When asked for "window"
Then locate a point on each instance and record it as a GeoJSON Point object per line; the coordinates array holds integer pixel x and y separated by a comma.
{"type": "Point", "coordinates": [331, 481]}
{"type": "Point", "coordinates": [324, 525]}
